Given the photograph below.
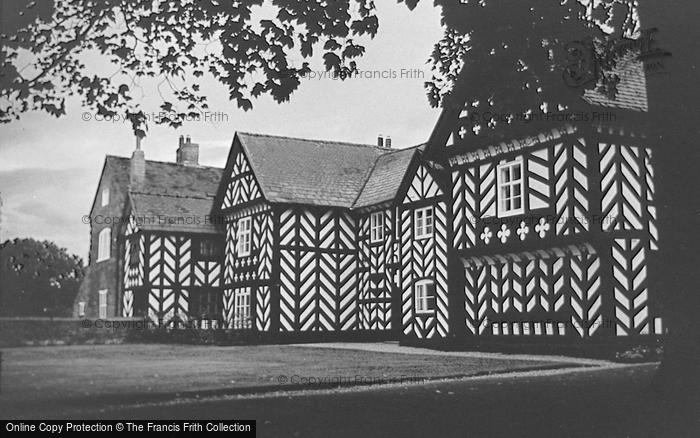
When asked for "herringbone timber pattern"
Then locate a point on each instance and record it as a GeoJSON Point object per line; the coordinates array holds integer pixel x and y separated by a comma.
{"type": "Point", "coordinates": [571, 188]}
{"type": "Point", "coordinates": [586, 299]}
{"type": "Point", "coordinates": [262, 309]}
{"type": "Point", "coordinates": [631, 291]}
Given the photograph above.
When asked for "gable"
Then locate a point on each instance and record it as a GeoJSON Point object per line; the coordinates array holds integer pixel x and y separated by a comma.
{"type": "Point", "coordinates": [452, 132]}
{"type": "Point", "coordinates": [386, 177]}
{"type": "Point", "coordinates": [310, 172]}
{"type": "Point", "coordinates": [239, 185]}
{"type": "Point", "coordinates": [115, 175]}
{"type": "Point", "coordinates": [423, 186]}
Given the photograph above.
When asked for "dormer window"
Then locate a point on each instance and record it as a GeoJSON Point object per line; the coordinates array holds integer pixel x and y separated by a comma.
{"type": "Point", "coordinates": [510, 188]}
{"type": "Point", "coordinates": [105, 196]}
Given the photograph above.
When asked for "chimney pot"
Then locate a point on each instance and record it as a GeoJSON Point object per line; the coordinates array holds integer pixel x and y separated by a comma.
{"type": "Point", "coordinates": [137, 166]}
{"type": "Point", "coordinates": [388, 142]}
{"type": "Point", "coordinates": [380, 141]}
{"type": "Point", "coordinates": [187, 153]}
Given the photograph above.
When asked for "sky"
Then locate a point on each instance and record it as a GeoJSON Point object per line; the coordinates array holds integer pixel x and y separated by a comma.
{"type": "Point", "coordinates": [49, 167]}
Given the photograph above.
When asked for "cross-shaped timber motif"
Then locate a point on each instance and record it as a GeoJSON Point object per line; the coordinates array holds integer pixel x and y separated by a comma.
{"type": "Point", "coordinates": [542, 227]}
{"type": "Point", "coordinates": [523, 230]}
{"type": "Point", "coordinates": [462, 132]}
{"type": "Point", "coordinates": [486, 235]}
{"type": "Point", "coordinates": [504, 233]}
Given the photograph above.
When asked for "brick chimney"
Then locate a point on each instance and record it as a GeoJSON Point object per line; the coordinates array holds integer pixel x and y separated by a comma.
{"type": "Point", "coordinates": [380, 141]}
{"type": "Point", "coordinates": [137, 171]}
{"type": "Point", "coordinates": [387, 142]}
{"type": "Point", "coordinates": [187, 152]}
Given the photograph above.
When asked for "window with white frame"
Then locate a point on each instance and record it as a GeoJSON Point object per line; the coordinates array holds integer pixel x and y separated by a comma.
{"type": "Point", "coordinates": [424, 296]}
{"type": "Point", "coordinates": [241, 308]}
{"type": "Point", "coordinates": [81, 309]}
{"type": "Point", "coordinates": [103, 304]}
{"type": "Point", "coordinates": [243, 237]}
{"type": "Point", "coordinates": [510, 188]}
{"type": "Point", "coordinates": [376, 226]}
{"type": "Point", "coordinates": [104, 242]}
{"type": "Point", "coordinates": [423, 222]}
{"type": "Point", "coordinates": [105, 196]}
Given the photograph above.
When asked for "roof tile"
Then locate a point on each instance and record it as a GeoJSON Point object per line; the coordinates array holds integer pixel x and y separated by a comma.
{"type": "Point", "coordinates": [315, 172]}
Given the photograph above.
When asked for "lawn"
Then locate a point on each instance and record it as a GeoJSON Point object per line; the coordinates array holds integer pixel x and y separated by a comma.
{"type": "Point", "coordinates": [52, 378]}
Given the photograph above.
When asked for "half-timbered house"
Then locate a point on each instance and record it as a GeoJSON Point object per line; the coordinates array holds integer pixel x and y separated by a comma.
{"type": "Point", "coordinates": [548, 236]}
{"type": "Point", "coordinates": [155, 250]}
{"type": "Point", "coordinates": [310, 238]}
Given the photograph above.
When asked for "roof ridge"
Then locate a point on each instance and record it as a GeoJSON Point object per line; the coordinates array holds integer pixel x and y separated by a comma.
{"type": "Point", "coordinates": [345, 143]}
{"type": "Point", "coordinates": [167, 162]}
{"type": "Point", "coordinates": [404, 149]}
{"type": "Point", "coordinates": [364, 184]}
{"type": "Point", "coordinates": [170, 195]}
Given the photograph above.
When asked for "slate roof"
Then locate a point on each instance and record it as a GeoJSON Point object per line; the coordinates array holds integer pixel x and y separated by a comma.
{"type": "Point", "coordinates": [321, 172]}
{"type": "Point", "coordinates": [171, 178]}
{"type": "Point", "coordinates": [160, 212]}
{"type": "Point", "coordinates": [385, 179]}
{"type": "Point", "coordinates": [173, 197]}
{"type": "Point", "coordinates": [631, 90]}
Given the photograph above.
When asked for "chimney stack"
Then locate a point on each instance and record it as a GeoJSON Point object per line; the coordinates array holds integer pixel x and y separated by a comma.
{"type": "Point", "coordinates": [137, 171]}
{"type": "Point", "coordinates": [187, 152]}
{"type": "Point", "coordinates": [380, 141]}
{"type": "Point", "coordinates": [387, 143]}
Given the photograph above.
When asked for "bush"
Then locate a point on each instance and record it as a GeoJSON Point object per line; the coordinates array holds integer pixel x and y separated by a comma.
{"type": "Point", "coordinates": [196, 336]}
{"type": "Point", "coordinates": [640, 353]}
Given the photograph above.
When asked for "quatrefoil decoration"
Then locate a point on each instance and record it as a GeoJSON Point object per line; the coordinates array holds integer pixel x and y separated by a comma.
{"type": "Point", "coordinates": [462, 132]}
{"type": "Point", "coordinates": [523, 230]}
{"type": "Point", "coordinates": [504, 233]}
{"type": "Point", "coordinates": [542, 227]}
{"type": "Point", "coordinates": [486, 235]}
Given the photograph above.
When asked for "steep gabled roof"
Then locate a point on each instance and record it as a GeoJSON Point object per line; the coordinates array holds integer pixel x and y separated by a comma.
{"type": "Point", "coordinates": [311, 172]}
{"type": "Point", "coordinates": [631, 96]}
{"type": "Point", "coordinates": [170, 178]}
{"type": "Point", "coordinates": [173, 197]}
{"type": "Point", "coordinates": [385, 179]}
{"type": "Point", "coordinates": [631, 90]}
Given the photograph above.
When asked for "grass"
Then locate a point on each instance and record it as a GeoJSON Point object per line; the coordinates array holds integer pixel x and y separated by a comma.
{"type": "Point", "coordinates": [127, 373]}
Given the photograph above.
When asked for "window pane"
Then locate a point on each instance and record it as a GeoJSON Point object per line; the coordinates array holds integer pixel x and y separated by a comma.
{"type": "Point", "coordinates": [105, 196]}
{"type": "Point", "coordinates": [516, 190]}
{"type": "Point", "coordinates": [516, 172]}
{"type": "Point", "coordinates": [516, 203]}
